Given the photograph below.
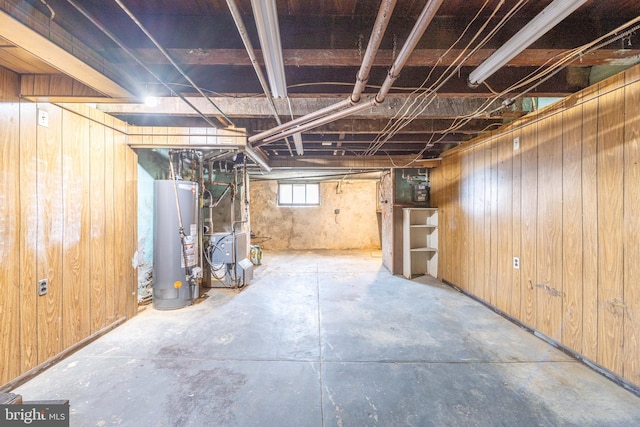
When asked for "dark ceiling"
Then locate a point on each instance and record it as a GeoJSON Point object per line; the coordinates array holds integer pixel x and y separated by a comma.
{"type": "Point", "coordinates": [430, 107]}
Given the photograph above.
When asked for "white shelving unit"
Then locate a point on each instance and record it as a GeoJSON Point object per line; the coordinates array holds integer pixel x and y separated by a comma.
{"type": "Point", "coordinates": [420, 242]}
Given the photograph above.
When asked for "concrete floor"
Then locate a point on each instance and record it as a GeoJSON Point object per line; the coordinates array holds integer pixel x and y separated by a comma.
{"type": "Point", "coordinates": [329, 339]}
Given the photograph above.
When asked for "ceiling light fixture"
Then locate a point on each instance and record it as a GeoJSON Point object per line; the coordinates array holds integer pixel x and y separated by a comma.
{"type": "Point", "coordinates": [266, 17]}
{"type": "Point", "coordinates": [297, 141]}
{"type": "Point", "coordinates": [151, 101]}
{"type": "Point", "coordinates": [536, 28]}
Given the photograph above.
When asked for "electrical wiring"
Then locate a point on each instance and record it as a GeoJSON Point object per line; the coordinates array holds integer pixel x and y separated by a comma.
{"type": "Point", "coordinates": [291, 86]}
{"type": "Point", "coordinates": [559, 65]}
{"type": "Point", "coordinates": [543, 73]}
{"type": "Point", "coordinates": [574, 54]}
{"type": "Point", "coordinates": [534, 79]}
{"type": "Point", "coordinates": [393, 127]}
{"type": "Point", "coordinates": [429, 94]}
{"type": "Point", "coordinates": [222, 95]}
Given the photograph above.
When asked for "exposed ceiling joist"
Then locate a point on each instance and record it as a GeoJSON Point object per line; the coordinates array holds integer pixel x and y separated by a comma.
{"type": "Point", "coordinates": [353, 57]}
{"type": "Point", "coordinates": [58, 58]}
{"type": "Point", "coordinates": [323, 48]}
{"type": "Point", "coordinates": [257, 107]}
{"type": "Point", "coordinates": [348, 162]}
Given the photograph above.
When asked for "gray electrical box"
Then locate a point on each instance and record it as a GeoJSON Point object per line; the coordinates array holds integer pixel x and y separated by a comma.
{"type": "Point", "coordinates": [244, 270]}
{"type": "Point", "coordinates": [232, 250]}
{"type": "Point", "coordinates": [224, 247]}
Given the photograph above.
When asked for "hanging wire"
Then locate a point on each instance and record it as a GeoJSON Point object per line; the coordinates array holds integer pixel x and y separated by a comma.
{"type": "Point", "coordinates": [427, 95]}
{"type": "Point", "coordinates": [534, 79]}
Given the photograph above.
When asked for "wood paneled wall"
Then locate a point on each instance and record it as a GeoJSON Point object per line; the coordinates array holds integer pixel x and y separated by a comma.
{"type": "Point", "coordinates": [566, 204]}
{"type": "Point", "coordinates": [67, 214]}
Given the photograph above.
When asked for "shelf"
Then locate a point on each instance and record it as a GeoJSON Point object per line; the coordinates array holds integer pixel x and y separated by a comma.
{"type": "Point", "coordinates": [420, 242]}
{"type": "Point", "coordinates": [425, 249]}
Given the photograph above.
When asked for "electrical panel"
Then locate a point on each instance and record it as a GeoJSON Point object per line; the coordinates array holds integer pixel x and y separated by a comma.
{"type": "Point", "coordinates": [420, 193]}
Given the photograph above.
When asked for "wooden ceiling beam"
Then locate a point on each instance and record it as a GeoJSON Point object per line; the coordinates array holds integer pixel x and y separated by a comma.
{"type": "Point", "coordinates": [374, 126]}
{"type": "Point", "coordinates": [353, 57]}
{"type": "Point", "coordinates": [346, 162]}
{"type": "Point", "coordinates": [302, 105]}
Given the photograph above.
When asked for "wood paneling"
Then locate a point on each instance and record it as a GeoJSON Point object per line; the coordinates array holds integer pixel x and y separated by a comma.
{"type": "Point", "coordinates": [610, 227]}
{"type": "Point", "coordinates": [9, 86]}
{"type": "Point", "coordinates": [493, 216]}
{"type": "Point", "coordinates": [486, 240]}
{"type": "Point", "coordinates": [123, 261]}
{"type": "Point", "coordinates": [55, 202]}
{"type": "Point", "coordinates": [631, 356]}
{"type": "Point", "coordinates": [9, 240]}
{"type": "Point", "coordinates": [566, 203]}
{"type": "Point", "coordinates": [28, 237]}
{"type": "Point", "coordinates": [56, 85]}
{"type": "Point", "coordinates": [470, 264]}
{"type": "Point", "coordinates": [97, 235]}
{"type": "Point", "coordinates": [590, 250]}
{"type": "Point", "coordinates": [516, 227]}
{"type": "Point", "coordinates": [131, 207]}
{"type": "Point", "coordinates": [528, 254]}
{"type": "Point", "coordinates": [77, 226]}
{"type": "Point", "coordinates": [464, 219]}
{"type": "Point", "coordinates": [50, 233]}
{"type": "Point", "coordinates": [504, 215]}
{"type": "Point", "coordinates": [110, 225]}
{"type": "Point", "coordinates": [572, 228]}
{"type": "Point", "coordinates": [447, 195]}
{"type": "Point", "coordinates": [549, 229]}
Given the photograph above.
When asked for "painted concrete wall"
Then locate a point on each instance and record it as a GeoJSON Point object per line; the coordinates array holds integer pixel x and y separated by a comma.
{"type": "Point", "coordinates": [355, 227]}
{"type": "Point", "coordinates": [145, 232]}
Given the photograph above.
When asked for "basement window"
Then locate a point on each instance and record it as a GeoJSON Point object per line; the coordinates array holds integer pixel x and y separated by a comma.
{"type": "Point", "coordinates": [298, 194]}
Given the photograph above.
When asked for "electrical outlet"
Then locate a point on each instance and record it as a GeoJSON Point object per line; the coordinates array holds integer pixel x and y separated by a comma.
{"type": "Point", "coordinates": [516, 143]}
{"type": "Point", "coordinates": [43, 287]}
{"type": "Point", "coordinates": [516, 262]}
{"type": "Point", "coordinates": [43, 118]}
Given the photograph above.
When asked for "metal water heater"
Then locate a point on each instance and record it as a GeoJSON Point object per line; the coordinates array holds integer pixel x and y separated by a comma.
{"type": "Point", "coordinates": [171, 289]}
